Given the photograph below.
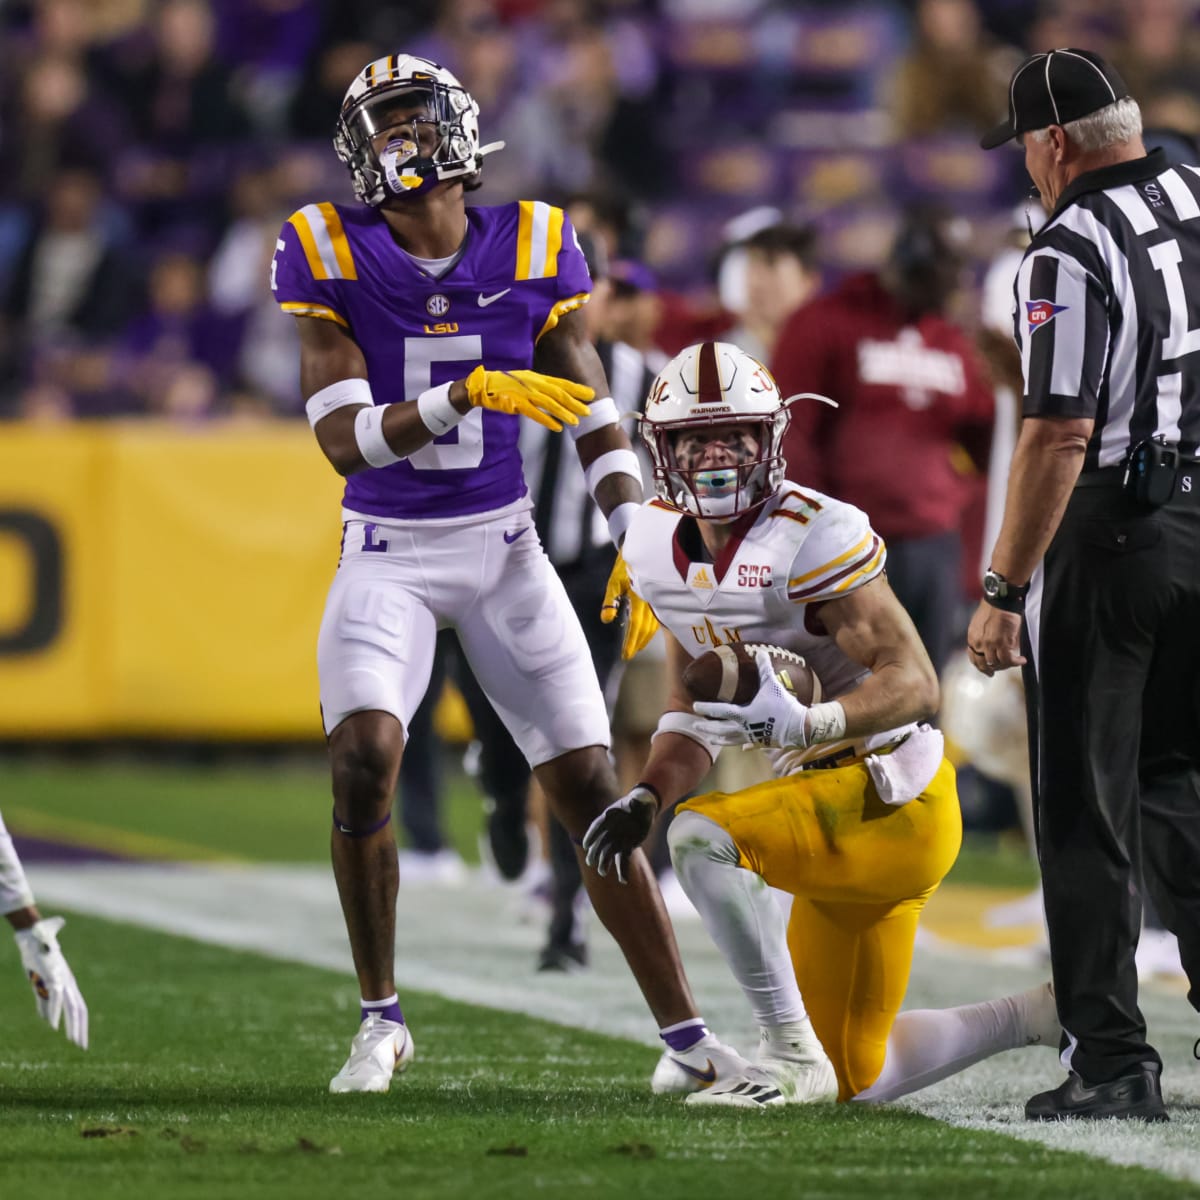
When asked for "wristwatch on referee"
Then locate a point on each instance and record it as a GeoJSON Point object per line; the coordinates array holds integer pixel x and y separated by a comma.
{"type": "Point", "coordinates": [1001, 594]}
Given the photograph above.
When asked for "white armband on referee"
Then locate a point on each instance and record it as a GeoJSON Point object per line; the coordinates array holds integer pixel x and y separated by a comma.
{"type": "Point", "coordinates": [15, 892]}
{"type": "Point", "coordinates": [685, 724]}
{"type": "Point", "coordinates": [337, 395]}
{"type": "Point", "coordinates": [601, 414]}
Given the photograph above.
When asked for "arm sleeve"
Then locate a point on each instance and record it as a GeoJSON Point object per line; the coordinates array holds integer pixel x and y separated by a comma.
{"type": "Point", "coordinates": [15, 892]}
{"type": "Point", "coordinates": [840, 554]}
{"type": "Point", "coordinates": [299, 276]}
{"type": "Point", "coordinates": [1062, 331]}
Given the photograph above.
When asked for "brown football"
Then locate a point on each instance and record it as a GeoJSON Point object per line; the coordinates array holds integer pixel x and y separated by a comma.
{"type": "Point", "coordinates": [729, 674]}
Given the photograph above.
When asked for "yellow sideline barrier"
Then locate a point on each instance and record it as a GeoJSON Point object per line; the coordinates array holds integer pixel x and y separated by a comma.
{"type": "Point", "coordinates": [162, 580]}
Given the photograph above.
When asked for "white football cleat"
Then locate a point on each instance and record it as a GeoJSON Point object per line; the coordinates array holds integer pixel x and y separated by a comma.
{"type": "Point", "coordinates": [380, 1049]}
{"type": "Point", "coordinates": [795, 1059]}
{"type": "Point", "coordinates": [755, 1087]}
{"type": "Point", "coordinates": [701, 1066]}
{"type": "Point", "coordinates": [791, 1072]}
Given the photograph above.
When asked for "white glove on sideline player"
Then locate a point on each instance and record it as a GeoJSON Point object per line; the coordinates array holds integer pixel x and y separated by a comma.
{"type": "Point", "coordinates": [773, 718]}
{"type": "Point", "coordinates": [54, 987]}
{"type": "Point", "coordinates": [619, 830]}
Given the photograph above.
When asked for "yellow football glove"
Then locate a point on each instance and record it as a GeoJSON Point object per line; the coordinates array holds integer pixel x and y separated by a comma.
{"type": "Point", "coordinates": [640, 622]}
{"type": "Point", "coordinates": [546, 399]}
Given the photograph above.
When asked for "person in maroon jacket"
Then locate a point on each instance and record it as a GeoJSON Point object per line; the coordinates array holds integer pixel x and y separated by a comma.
{"type": "Point", "coordinates": [915, 410]}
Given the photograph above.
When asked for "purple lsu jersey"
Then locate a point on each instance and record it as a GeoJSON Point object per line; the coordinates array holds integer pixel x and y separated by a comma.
{"type": "Point", "coordinates": [521, 270]}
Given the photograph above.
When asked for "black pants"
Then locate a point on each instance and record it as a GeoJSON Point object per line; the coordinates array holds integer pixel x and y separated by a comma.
{"type": "Point", "coordinates": [584, 582]}
{"type": "Point", "coordinates": [925, 574]}
{"type": "Point", "coordinates": [1113, 639]}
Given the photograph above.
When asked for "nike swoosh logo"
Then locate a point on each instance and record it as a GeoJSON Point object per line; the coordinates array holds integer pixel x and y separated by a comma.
{"type": "Point", "coordinates": [484, 301]}
{"type": "Point", "coordinates": [709, 1075]}
{"type": "Point", "coordinates": [511, 536]}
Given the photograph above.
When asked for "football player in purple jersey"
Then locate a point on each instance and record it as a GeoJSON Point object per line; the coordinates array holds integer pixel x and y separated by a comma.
{"type": "Point", "coordinates": [426, 329]}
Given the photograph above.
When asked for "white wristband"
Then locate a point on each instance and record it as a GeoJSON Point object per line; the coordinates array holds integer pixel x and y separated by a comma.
{"type": "Point", "coordinates": [614, 462]}
{"type": "Point", "coordinates": [437, 413]}
{"type": "Point", "coordinates": [620, 519]}
{"type": "Point", "coordinates": [601, 413]}
{"type": "Point", "coordinates": [337, 395]}
{"type": "Point", "coordinates": [685, 724]}
{"type": "Point", "coordinates": [368, 433]}
{"type": "Point", "coordinates": [825, 722]}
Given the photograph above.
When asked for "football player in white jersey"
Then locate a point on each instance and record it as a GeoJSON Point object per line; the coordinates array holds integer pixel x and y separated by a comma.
{"type": "Point", "coordinates": [57, 995]}
{"type": "Point", "coordinates": [862, 821]}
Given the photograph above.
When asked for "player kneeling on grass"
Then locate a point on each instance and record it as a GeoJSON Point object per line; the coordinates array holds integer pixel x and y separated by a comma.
{"type": "Point", "coordinates": [862, 822]}
{"type": "Point", "coordinates": [54, 987]}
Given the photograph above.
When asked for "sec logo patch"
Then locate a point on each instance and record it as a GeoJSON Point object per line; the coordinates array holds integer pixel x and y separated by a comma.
{"type": "Point", "coordinates": [437, 305]}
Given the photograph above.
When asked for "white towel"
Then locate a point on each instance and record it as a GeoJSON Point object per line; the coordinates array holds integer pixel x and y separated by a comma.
{"type": "Point", "coordinates": [905, 773]}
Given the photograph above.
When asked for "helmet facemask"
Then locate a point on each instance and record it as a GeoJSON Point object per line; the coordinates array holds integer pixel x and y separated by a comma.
{"type": "Point", "coordinates": [717, 484]}
{"type": "Point", "coordinates": [436, 138]}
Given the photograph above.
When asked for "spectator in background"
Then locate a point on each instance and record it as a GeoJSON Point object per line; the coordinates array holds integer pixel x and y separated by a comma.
{"type": "Point", "coordinates": [955, 76]}
{"type": "Point", "coordinates": [43, 126]}
{"type": "Point", "coordinates": [634, 310]}
{"type": "Point", "coordinates": [780, 274]}
{"type": "Point", "coordinates": [266, 43]}
{"type": "Point", "coordinates": [72, 282]}
{"type": "Point", "coordinates": [330, 69]}
{"type": "Point", "coordinates": [1157, 52]}
{"type": "Point", "coordinates": [912, 393]}
{"type": "Point", "coordinates": [179, 329]}
{"type": "Point", "coordinates": [267, 363]}
{"type": "Point", "coordinates": [185, 114]}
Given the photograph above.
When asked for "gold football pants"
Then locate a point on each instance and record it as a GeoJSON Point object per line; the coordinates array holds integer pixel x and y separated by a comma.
{"type": "Point", "coordinates": [860, 872]}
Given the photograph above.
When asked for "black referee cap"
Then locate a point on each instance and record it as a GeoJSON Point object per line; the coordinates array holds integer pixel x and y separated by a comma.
{"type": "Point", "coordinates": [1053, 89]}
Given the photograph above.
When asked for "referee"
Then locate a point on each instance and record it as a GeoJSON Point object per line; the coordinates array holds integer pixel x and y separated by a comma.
{"type": "Point", "coordinates": [1100, 552]}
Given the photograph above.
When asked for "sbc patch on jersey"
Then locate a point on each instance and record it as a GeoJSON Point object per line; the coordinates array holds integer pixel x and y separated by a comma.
{"type": "Point", "coordinates": [1042, 312]}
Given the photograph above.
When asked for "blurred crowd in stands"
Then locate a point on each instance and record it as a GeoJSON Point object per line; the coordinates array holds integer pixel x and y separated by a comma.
{"type": "Point", "coordinates": [150, 149]}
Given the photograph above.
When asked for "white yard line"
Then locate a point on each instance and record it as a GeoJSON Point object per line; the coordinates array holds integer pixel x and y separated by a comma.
{"type": "Point", "coordinates": [477, 944]}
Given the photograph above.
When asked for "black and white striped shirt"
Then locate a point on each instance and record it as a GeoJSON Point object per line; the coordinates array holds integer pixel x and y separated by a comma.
{"type": "Point", "coordinates": [568, 522]}
{"type": "Point", "coordinates": [1108, 308]}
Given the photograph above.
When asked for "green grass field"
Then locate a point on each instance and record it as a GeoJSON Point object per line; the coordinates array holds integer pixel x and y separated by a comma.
{"type": "Point", "coordinates": [208, 1067]}
{"type": "Point", "coordinates": [207, 1072]}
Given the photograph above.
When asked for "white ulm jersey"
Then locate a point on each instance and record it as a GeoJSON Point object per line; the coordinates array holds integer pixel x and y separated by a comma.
{"type": "Point", "coordinates": [803, 549]}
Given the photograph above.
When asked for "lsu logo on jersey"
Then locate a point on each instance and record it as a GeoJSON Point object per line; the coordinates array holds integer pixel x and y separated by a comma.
{"type": "Point", "coordinates": [1042, 312]}
{"type": "Point", "coordinates": [442, 327]}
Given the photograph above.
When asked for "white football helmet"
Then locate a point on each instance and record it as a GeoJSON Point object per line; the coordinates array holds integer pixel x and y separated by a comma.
{"type": "Point", "coordinates": [401, 169]}
{"type": "Point", "coordinates": [715, 383]}
{"type": "Point", "coordinates": [985, 718]}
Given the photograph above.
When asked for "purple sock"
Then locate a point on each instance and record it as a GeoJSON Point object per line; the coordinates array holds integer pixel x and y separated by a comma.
{"type": "Point", "coordinates": [388, 1009]}
{"type": "Point", "coordinates": [685, 1035]}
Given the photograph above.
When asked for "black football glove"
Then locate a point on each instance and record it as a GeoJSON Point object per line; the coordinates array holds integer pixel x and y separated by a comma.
{"type": "Point", "coordinates": [619, 830]}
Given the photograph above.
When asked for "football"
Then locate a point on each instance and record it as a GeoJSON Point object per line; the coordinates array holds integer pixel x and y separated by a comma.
{"type": "Point", "coordinates": [729, 674]}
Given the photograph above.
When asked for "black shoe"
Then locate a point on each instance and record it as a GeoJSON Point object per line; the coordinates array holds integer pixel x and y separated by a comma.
{"type": "Point", "coordinates": [1137, 1095]}
{"type": "Point", "coordinates": [571, 956]}
{"type": "Point", "coordinates": [508, 841]}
